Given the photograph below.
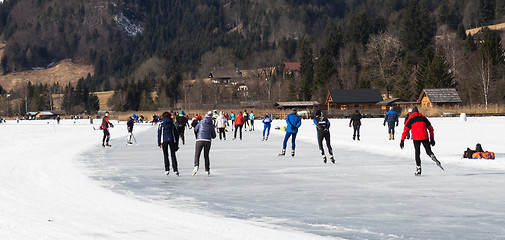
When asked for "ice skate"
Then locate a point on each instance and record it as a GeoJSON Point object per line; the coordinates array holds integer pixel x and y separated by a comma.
{"type": "Point", "coordinates": [167, 172]}
{"type": "Point", "coordinates": [263, 139]}
{"type": "Point", "coordinates": [418, 171]}
{"type": "Point", "coordinates": [283, 152]}
{"type": "Point", "coordinates": [332, 159]}
{"type": "Point", "coordinates": [177, 173]}
{"type": "Point", "coordinates": [195, 170]}
{"type": "Point", "coordinates": [324, 159]}
{"type": "Point", "coordinates": [266, 139]}
{"type": "Point", "coordinates": [208, 173]}
{"type": "Point", "coordinates": [292, 153]}
{"type": "Point", "coordinates": [437, 162]}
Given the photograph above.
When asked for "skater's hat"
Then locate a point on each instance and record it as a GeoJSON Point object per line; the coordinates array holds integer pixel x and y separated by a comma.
{"type": "Point", "coordinates": [182, 112]}
{"type": "Point", "coordinates": [318, 112]}
{"type": "Point", "coordinates": [414, 109]}
{"type": "Point", "coordinates": [209, 114]}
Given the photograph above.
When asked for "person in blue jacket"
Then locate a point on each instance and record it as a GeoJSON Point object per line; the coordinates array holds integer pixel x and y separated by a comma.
{"type": "Point", "coordinates": [293, 123]}
{"type": "Point", "coordinates": [267, 123]}
{"type": "Point", "coordinates": [391, 118]}
{"type": "Point", "coordinates": [168, 136]}
{"type": "Point", "coordinates": [205, 131]}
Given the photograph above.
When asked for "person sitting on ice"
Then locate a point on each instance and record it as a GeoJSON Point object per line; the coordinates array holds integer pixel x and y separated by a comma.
{"type": "Point", "coordinates": [420, 127]}
{"type": "Point", "coordinates": [293, 123]}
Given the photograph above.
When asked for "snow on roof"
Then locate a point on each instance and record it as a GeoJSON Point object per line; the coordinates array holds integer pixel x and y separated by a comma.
{"type": "Point", "coordinates": [298, 104]}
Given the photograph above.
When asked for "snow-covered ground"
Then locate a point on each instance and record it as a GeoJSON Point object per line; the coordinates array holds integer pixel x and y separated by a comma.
{"type": "Point", "coordinates": [57, 182]}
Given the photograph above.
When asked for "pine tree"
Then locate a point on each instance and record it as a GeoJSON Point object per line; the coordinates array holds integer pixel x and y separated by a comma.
{"type": "Point", "coordinates": [417, 28]}
{"type": "Point", "coordinates": [423, 70]}
{"type": "Point", "coordinates": [403, 85]}
{"type": "Point", "coordinates": [461, 33]}
{"type": "Point", "coordinates": [470, 45]}
{"type": "Point", "coordinates": [306, 71]}
{"type": "Point", "coordinates": [439, 74]}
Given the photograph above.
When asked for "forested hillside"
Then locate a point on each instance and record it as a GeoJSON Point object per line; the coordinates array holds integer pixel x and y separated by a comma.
{"type": "Point", "coordinates": [144, 46]}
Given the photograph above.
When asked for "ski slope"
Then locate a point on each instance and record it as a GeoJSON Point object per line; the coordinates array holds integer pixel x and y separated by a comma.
{"type": "Point", "coordinates": [57, 182]}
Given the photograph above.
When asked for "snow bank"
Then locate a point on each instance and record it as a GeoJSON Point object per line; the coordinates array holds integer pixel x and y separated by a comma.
{"type": "Point", "coordinates": [44, 195]}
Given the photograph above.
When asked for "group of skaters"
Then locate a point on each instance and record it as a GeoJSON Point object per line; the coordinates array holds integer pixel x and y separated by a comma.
{"type": "Point", "coordinates": [172, 127]}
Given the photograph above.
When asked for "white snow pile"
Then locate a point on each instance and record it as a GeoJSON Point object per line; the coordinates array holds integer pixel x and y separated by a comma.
{"type": "Point", "coordinates": [57, 182]}
{"type": "Point", "coordinates": [132, 28]}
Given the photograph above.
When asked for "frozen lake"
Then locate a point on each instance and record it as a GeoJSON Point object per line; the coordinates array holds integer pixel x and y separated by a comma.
{"type": "Point", "coordinates": [370, 193]}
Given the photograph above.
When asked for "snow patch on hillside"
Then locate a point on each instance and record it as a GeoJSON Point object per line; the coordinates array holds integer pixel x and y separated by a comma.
{"type": "Point", "coordinates": [131, 27]}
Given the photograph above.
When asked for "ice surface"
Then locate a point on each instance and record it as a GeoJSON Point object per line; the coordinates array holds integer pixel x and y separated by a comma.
{"type": "Point", "coordinates": [58, 180]}
{"type": "Point", "coordinates": [370, 193]}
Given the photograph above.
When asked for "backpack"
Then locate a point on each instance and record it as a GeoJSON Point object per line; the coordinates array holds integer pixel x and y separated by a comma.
{"type": "Point", "coordinates": [483, 155]}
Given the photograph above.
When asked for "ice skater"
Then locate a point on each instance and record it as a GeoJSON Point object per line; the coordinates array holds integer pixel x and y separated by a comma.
{"type": "Point", "coordinates": [246, 120]}
{"type": "Point", "coordinates": [105, 127]}
{"type": "Point", "coordinates": [205, 133]}
{"type": "Point", "coordinates": [391, 118]}
{"type": "Point", "coordinates": [251, 120]}
{"type": "Point", "coordinates": [232, 117]}
{"type": "Point", "coordinates": [420, 127]}
{"type": "Point", "coordinates": [323, 132]}
{"type": "Point", "coordinates": [129, 127]}
{"type": "Point", "coordinates": [221, 123]}
{"type": "Point", "coordinates": [356, 123]}
{"type": "Point", "coordinates": [168, 136]}
{"type": "Point", "coordinates": [181, 121]}
{"type": "Point", "coordinates": [239, 123]}
{"type": "Point", "coordinates": [267, 123]}
{"type": "Point", "coordinates": [293, 123]}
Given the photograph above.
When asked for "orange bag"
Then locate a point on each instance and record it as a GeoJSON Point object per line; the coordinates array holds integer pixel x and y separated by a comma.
{"type": "Point", "coordinates": [484, 155]}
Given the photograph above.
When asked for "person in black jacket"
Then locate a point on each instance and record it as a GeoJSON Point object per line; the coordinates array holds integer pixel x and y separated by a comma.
{"type": "Point", "coordinates": [356, 123]}
{"type": "Point", "coordinates": [129, 126]}
{"type": "Point", "coordinates": [168, 136]}
{"type": "Point", "coordinates": [181, 121]}
{"type": "Point", "coordinates": [105, 127]}
{"type": "Point", "coordinates": [323, 132]}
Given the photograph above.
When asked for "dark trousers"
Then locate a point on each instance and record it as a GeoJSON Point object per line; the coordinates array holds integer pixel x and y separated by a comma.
{"type": "Point", "coordinates": [417, 147]}
{"type": "Point", "coordinates": [222, 133]}
{"type": "Point", "coordinates": [326, 136]}
{"type": "Point", "coordinates": [391, 128]}
{"type": "Point", "coordinates": [173, 146]}
{"type": "Point", "coordinates": [205, 145]}
{"type": "Point", "coordinates": [235, 134]}
{"type": "Point", "coordinates": [181, 133]}
{"type": "Point", "coordinates": [286, 138]}
{"type": "Point", "coordinates": [356, 131]}
{"type": "Point", "coordinates": [106, 136]}
{"type": "Point", "coordinates": [252, 124]}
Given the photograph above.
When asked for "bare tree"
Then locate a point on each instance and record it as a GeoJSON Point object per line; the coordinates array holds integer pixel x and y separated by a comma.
{"type": "Point", "coordinates": [483, 72]}
{"type": "Point", "coordinates": [383, 55]}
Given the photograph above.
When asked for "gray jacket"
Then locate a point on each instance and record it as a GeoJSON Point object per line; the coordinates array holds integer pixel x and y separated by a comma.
{"type": "Point", "coordinates": [205, 130]}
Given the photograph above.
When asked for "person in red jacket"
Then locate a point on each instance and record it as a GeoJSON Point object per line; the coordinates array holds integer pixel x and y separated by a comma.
{"type": "Point", "coordinates": [239, 122]}
{"type": "Point", "coordinates": [420, 127]}
{"type": "Point", "coordinates": [105, 127]}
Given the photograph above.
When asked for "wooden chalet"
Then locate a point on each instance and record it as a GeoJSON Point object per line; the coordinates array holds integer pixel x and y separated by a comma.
{"type": "Point", "coordinates": [350, 99]}
{"type": "Point", "coordinates": [447, 97]}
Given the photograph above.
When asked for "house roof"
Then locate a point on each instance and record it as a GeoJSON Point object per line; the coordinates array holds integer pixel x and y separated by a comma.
{"type": "Point", "coordinates": [297, 104]}
{"type": "Point", "coordinates": [293, 66]}
{"type": "Point", "coordinates": [441, 95]}
{"type": "Point", "coordinates": [365, 95]}
{"type": "Point", "coordinates": [390, 100]}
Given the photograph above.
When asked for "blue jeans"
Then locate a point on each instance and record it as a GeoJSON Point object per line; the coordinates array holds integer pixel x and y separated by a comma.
{"type": "Point", "coordinates": [267, 129]}
{"type": "Point", "coordinates": [288, 134]}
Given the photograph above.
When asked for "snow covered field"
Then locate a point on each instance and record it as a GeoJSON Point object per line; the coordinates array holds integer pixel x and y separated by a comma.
{"type": "Point", "coordinates": [57, 182]}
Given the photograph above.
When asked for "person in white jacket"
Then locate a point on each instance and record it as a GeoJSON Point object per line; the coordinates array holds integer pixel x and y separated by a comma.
{"type": "Point", "coordinates": [221, 123]}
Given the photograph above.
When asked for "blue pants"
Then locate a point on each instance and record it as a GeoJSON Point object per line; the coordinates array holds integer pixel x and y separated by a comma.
{"type": "Point", "coordinates": [266, 128]}
{"type": "Point", "coordinates": [288, 134]}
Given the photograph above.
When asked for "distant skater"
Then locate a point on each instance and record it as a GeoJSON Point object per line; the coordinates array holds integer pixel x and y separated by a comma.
{"type": "Point", "coordinates": [323, 133]}
{"type": "Point", "coordinates": [196, 119]}
{"type": "Point", "coordinates": [221, 123]}
{"type": "Point", "coordinates": [405, 121]}
{"type": "Point", "coordinates": [391, 118]}
{"type": "Point", "coordinates": [205, 133]}
{"type": "Point", "coordinates": [181, 121]}
{"type": "Point", "coordinates": [267, 123]}
{"type": "Point", "coordinates": [293, 123]}
{"type": "Point", "coordinates": [168, 136]}
{"type": "Point", "coordinates": [356, 123]}
{"type": "Point", "coordinates": [239, 123]}
{"type": "Point", "coordinates": [251, 120]}
{"type": "Point", "coordinates": [105, 127]}
{"type": "Point", "coordinates": [246, 121]}
{"type": "Point", "coordinates": [420, 127]}
{"type": "Point", "coordinates": [129, 127]}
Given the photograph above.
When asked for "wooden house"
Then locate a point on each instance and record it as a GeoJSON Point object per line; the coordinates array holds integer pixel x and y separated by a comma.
{"type": "Point", "coordinates": [350, 99]}
{"type": "Point", "coordinates": [447, 97]}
